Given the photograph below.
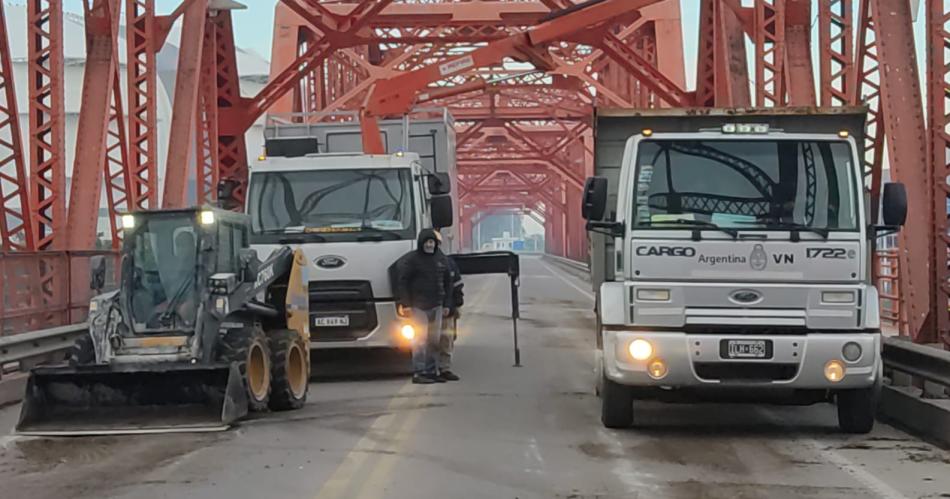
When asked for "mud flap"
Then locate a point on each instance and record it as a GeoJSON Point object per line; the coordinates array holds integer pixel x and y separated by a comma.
{"type": "Point", "coordinates": [109, 400]}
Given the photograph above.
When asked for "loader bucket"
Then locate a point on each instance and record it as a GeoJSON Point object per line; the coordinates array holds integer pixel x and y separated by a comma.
{"type": "Point", "coordinates": [145, 398]}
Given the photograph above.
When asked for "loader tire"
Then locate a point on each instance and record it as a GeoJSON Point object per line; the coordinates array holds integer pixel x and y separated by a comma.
{"type": "Point", "coordinates": [248, 348]}
{"type": "Point", "coordinates": [82, 353]}
{"type": "Point", "coordinates": [290, 370]}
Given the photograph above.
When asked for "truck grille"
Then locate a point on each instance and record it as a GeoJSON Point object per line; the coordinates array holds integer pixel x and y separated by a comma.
{"type": "Point", "coordinates": [745, 371]}
{"type": "Point", "coordinates": [352, 299]}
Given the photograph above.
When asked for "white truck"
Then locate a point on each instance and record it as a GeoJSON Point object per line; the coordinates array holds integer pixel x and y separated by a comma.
{"type": "Point", "coordinates": [731, 256]}
{"type": "Point", "coordinates": [353, 215]}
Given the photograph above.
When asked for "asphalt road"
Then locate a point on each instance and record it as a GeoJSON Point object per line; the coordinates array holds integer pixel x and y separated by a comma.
{"type": "Point", "coordinates": [501, 432]}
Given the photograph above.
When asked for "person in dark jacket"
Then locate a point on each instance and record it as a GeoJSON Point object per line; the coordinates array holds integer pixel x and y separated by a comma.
{"type": "Point", "coordinates": [425, 287]}
{"type": "Point", "coordinates": [450, 323]}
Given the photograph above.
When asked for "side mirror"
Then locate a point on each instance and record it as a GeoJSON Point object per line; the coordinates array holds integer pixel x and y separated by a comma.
{"type": "Point", "coordinates": [594, 200]}
{"type": "Point", "coordinates": [227, 193]}
{"type": "Point", "coordinates": [439, 184]}
{"type": "Point", "coordinates": [97, 273]}
{"type": "Point", "coordinates": [894, 206]}
{"type": "Point", "coordinates": [441, 211]}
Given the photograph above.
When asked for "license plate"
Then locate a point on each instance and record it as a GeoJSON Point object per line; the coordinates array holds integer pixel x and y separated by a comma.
{"type": "Point", "coordinates": [746, 349]}
{"type": "Point", "coordinates": [331, 321]}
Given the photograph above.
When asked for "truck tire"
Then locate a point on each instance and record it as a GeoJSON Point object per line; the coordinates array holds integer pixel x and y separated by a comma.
{"type": "Point", "coordinates": [290, 370]}
{"type": "Point", "coordinates": [856, 410]}
{"type": "Point", "coordinates": [82, 353]}
{"type": "Point", "coordinates": [248, 348]}
{"type": "Point", "coordinates": [616, 404]}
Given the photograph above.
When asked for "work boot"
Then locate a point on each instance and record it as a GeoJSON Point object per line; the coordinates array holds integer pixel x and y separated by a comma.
{"type": "Point", "coordinates": [422, 379]}
{"type": "Point", "coordinates": [437, 378]}
{"type": "Point", "coordinates": [448, 375]}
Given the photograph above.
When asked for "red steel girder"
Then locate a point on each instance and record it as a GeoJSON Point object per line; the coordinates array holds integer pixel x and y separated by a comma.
{"type": "Point", "coordinates": [769, 39]}
{"type": "Point", "coordinates": [118, 179]}
{"type": "Point", "coordinates": [187, 85]}
{"type": "Point", "coordinates": [206, 122]}
{"type": "Point", "coordinates": [90, 162]}
{"type": "Point", "coordinates": [47, 122]}
{"type": "Point", "coordinates": [865, 89]}
{"type": "Point", "coordinates": [722, 75]}
{"type": "Point", "coordinates": [142, 87]}
{"type": "Point", "coordinates": [395, 96]}
{"type": "Point", "coordinates": [799, 77]}
{"type": "Point", "coordinates": [232, 148]}
{"type": "Point", "coordinates": [836, 46]}
{"type": "Point", "coordinates": [938, 113]}
{"type": "Point", "coordinates": [907, 154]}
{"type": "Point", "coordinates": [16, 230]}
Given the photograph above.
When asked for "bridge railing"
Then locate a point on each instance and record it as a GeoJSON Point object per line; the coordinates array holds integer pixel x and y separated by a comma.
{"type": "Point", "coordinates": [47, 289]}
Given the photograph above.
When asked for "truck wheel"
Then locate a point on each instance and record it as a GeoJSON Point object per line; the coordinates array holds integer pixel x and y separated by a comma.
{"type": "Point", "coordinates": [248, 348]}
{"type": "Point", "coordinates": [82, 353]}
{"type": "Point", "coordinates": [616, 404]}
{"type": "Point", "coordinates": [856, 409]}
{"type": "Point", "coordinates": [290, 370]}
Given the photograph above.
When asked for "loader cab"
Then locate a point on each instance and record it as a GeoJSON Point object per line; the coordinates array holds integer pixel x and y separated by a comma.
{"type": "Point", "coordinates": [168, 257]}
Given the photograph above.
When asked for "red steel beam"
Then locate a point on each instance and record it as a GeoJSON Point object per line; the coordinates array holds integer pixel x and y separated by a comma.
{"type": "Point", "coordinates": [206, 121]}
{"type": "Point", "coordinates": [938, 113]}
{"type": "Point", "coordinates": [47, 122]}
{"type": "Point", "coordinates": [836, 52]}
{"type": "Point", "coordinates": [232, 148]}
{"type": "Point", "coordinates": [16, 229]}
{"type": "Point", "coordinates": [907, 154]}
{"type": "Point", "coordinates": [118, 180]}
{"type": "Point", "coordinates": [101, 25]}
{"type": "Point", "coordinates": [187, 83]}
{"type": "Point", "coordinates": [142, 87]}
{"type": "Point", "coordinates": [799, 76]}
{"type": "Point", "coordinates": [769, 39]}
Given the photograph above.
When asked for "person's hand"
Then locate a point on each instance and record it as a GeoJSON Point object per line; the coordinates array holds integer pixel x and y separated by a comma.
{"type": "Point", "coordinates": [402, 310]}
{"type": "Point", "coordinates": [446, 311]}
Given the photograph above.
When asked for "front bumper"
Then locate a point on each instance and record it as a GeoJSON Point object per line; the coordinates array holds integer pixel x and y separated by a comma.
{"type": "Point", "coordinates": [694, 360]}
{"type": "Point", "coordinates": [386, 334]}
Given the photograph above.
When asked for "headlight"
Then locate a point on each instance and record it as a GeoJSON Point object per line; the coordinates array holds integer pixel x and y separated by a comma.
{"type": "Point", "coordinates": [207, 217]}
{"type": "Point", "coordinates": [851, 351]}
{"type": "Point", "coordinates": [653, 294]}
{"type": "Point", "coordinates": [837, 296]}
{"type": "Point", "coordinates": [221, 305]}
{"type": "Point", "coordinates": [408, 332]}
{"type": "Point", "coordinates": [834, 371]}
{"type": "Point", "coordinates": [93, 306]}
{"type": "Point", "coordinates": [640, 349]}
{"type": "Point", "coordinates": [128, 222]}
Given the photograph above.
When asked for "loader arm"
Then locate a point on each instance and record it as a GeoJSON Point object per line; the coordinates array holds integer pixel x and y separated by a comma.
{"type": "Point", "coordinates": [396, 95]}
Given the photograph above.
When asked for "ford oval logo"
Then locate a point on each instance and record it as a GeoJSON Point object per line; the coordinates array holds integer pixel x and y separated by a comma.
{"type": "Point", "coordinates": [330, 262]}
{"type": "Point", "coordinates": [746, 296]}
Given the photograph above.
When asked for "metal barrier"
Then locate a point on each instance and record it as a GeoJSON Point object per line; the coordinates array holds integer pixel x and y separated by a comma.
{"type": "Point", "coordinates": [920, 382]}
{"type": "Point", "coordinates": [18, 353]}
{"type": "Point", "coordinates": [47, 289]}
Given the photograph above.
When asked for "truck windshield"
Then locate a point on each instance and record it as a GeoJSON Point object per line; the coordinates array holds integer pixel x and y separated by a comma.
{"type": "Point", "coordinates": [163, 253]}
{"type": "Point", "coordinates": [745, 184]}
{"type": "Point", "coordinates": [332, 205]}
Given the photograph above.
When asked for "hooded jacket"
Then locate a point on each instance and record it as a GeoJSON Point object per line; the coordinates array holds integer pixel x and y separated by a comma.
{"type": "Point", "coordinates": [424, 279]}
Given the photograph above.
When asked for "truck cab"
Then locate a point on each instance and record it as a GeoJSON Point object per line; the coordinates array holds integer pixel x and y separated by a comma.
{"type": "Point", "coordinates": [736, 260]}
{"type": "Point", "coordinates": [353, 215]}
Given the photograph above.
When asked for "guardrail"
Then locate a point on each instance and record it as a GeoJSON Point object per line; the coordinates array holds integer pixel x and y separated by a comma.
{"type": "Point", "coordinates": [919, 384]}
{"type": "Point", "coordinates": [568, 262]}
{"type": "Point", "coordinates": [22, 351]}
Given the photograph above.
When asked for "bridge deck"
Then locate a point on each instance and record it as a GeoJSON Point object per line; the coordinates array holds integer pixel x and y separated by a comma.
{"type": "Point", "coordinates": [502, 432]}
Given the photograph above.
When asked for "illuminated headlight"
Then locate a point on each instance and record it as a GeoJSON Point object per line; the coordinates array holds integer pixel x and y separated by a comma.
{"type": "Point", "coordinates": [851, 351]}
{"type": "Point", "coordinates": [408, 332]}
{"type": "Point", "coordinates": [207, 217]}
{"type": "Point", "coordinates": [221, 305]}
{"type": "Point", "coordinates": [729, 128]}
{"type": "Point", "coordinates": [653, 294]}
{"type": "Point", "coordinates": [837, 296]}
{"type": "Point", "coordinates": [834, 371]}
{"type": "Point", "coordinates": [640, 349]}
{"type": "Point", "coordinates": [760, 129]}
{"type": "Point", "coordinates": [128, 222]}
{"type": "Point", "coordinates": [657, 369]}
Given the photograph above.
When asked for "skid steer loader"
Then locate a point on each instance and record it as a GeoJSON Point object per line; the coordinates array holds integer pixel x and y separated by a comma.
{"type": "Point", "coordinates": [199, 332]}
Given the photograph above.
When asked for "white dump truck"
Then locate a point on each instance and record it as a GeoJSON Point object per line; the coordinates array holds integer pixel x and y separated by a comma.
{"type": "Point", "coordinates": [731, 256]}
{"type": "Point", "coordinates": [353, 215]}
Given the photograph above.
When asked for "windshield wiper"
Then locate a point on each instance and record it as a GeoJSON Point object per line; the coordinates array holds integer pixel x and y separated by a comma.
{"type": "Point", "coordinates": [377, 234]}
{"type": "Point", "coordinates": [772, 224]}
{"type": "Point", "coordinates": [297, 233]}
{"type": "Point", "coordinates": [176, 300]}
{"type": "Point", "coordinates": [700, 223]}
